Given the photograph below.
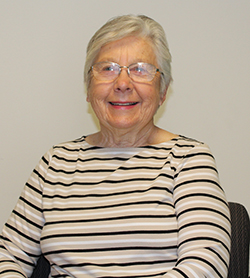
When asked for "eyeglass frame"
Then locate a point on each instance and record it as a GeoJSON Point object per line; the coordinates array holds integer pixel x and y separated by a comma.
{"type": "Point", "coordinates": [128, 71]}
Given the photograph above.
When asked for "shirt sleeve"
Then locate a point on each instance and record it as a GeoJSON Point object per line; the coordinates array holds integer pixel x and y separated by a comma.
{"type": "Point", "coordinates": [20, 237]}
{"type": "Point", "coordinates": [203, 218]}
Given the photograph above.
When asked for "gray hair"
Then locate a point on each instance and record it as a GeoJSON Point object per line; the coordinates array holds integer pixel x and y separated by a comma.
{"type": "Point", "coordinates": [130, 25]}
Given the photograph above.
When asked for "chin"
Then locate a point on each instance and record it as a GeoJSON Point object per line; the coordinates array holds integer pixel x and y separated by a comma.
{"type": "Point", "coordinates": [123, 124]}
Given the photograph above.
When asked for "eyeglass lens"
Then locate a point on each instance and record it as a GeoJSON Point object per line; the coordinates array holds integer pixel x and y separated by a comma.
{"type": "Point", "coordinates": [137, 72]}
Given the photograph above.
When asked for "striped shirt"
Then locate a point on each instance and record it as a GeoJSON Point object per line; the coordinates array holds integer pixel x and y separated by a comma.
{"type": "Point", "coordinates": [152, 211]}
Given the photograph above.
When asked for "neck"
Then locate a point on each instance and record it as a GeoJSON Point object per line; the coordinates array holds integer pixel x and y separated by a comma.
{"type": "Point", "coordinates": [125, 138]}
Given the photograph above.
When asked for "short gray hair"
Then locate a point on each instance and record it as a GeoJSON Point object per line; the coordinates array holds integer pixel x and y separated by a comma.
{"type": "Point", "coordinates": [131, 25]}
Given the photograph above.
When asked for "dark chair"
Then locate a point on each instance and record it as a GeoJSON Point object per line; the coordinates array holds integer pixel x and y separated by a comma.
{"type": "Point", "coordinates": [42, 269]}
{"type": "Point", "coordinates": [239, 260]}
{"type": "Point", "coordinates": [240, 237]}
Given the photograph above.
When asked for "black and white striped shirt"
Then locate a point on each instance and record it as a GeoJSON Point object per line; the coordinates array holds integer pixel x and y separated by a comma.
{"type": "Point", "coordinates": [153, 211]}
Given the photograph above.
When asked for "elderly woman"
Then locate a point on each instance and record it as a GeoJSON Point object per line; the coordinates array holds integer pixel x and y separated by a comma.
{"type": "Point", "coordinates": [131, 200]}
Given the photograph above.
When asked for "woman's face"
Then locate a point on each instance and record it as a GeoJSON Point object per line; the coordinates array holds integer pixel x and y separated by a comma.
{"type": "Point", "coordinates": [110, 100]}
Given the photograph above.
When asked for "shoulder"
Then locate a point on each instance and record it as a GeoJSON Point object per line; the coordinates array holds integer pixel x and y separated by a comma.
{"type": "Point", "coordinates": [69, 149]}
{"type": "Point", "coordinates": [71, 145]}
{"type": "Point", "coordinates": [187, 150]}
{"type": "Point", "coordinates": [186, 144]}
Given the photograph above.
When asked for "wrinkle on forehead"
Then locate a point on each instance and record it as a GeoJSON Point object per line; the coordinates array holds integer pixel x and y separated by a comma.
{"type": "Point", "coordinates": [127, 51]}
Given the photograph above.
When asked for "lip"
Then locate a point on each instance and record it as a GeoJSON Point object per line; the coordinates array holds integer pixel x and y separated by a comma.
{"type": "Point", "coordinates": [123, 105]}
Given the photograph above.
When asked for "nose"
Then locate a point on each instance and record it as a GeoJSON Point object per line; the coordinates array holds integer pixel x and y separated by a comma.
{"type": "Point", "coordinates": [123, 82]}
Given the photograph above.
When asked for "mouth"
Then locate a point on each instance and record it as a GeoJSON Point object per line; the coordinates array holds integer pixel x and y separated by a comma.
{"type": "Point", "coordinates": [123, 103]}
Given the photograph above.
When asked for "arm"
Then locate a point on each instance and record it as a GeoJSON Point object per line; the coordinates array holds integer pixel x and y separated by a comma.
{"type": "Point", "coordinates": [20, 238]}
{"type": "Point", "coordinates": [203, 218]}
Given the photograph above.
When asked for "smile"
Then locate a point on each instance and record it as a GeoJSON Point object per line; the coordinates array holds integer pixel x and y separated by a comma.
{"type": "Point", "coordinates": [123, 103]}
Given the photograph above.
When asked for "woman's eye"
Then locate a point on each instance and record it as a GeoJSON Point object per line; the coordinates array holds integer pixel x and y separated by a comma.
{"type": "Point", "coordinates": [138, 70]}
{"type": "Point", "coordinates": [108, 68]}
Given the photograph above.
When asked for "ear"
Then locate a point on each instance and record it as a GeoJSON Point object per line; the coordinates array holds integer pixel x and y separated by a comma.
{"type": "Point", "coordinates": [87, 97]}
{"type": "Point", "coordinates": [163, 96]}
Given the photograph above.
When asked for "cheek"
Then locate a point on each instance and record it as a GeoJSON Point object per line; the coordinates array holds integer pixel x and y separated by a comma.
{"type": "Point", "coordinates": [97, 97]}
{"type": "Point", "coordinates": [98, 89]}
{"type": "Point", "coordinates": [94, 92]}
{"type": "Point", "coordinates": [151, 95]}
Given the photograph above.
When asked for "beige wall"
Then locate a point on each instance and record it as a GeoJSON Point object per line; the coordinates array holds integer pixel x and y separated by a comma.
{"type": "Point", "coordinates": [42, 103]}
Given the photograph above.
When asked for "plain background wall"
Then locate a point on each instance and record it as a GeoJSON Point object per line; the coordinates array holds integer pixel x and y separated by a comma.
{"type": "Point", "coordinates": [42, 52]}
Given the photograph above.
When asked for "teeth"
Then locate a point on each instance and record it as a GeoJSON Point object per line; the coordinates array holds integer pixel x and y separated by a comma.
{"type": "Point", "coordinates": [123, 104]}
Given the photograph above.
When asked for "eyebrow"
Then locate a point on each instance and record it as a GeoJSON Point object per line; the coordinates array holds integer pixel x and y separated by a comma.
{"type": "Point", "coordinates": [134, 62]}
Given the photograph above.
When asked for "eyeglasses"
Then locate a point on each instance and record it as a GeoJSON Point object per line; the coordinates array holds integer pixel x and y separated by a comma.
{"type": "Point", "coordinates": [138, 72]}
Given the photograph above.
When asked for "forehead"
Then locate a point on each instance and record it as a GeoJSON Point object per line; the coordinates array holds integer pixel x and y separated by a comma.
{"type": "Point", "coordinates": [128, 50]}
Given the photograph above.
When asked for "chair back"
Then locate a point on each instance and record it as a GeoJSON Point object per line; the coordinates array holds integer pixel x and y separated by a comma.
{"type": "Point", "coordinates": [240, 237]}
{"type": "Point", "coordinates": [42, 269]}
